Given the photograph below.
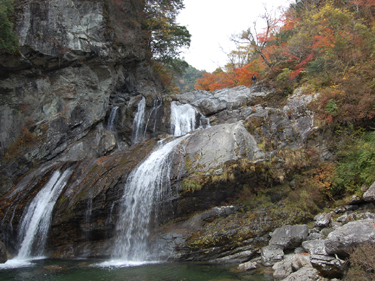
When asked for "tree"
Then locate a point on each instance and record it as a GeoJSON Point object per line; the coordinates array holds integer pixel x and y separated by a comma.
{"type": "Point", "coordinates": [8, 40]}
{"type": "Point", "coordinates": [166, 37]}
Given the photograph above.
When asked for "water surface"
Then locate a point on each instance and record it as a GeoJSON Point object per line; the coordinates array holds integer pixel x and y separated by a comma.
{"type": "Point", "coordinates": [87, 270]}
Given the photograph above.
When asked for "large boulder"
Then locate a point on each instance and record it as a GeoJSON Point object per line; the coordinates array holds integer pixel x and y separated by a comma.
{"type": "Point", "coordinates": [212, 147]}
{"type": "Point", "coordinates": [343, 239]}
{"type": "Point", "coordinates": [289, 236]}
{"type": "Point", "coordinates": [305, 274]}
{"type": "Point", "coordinates": [271, 255]}
{"type": "Point", "coordinates": [328, 266]}
{"type": "Point", "coordinates": [289, 265]}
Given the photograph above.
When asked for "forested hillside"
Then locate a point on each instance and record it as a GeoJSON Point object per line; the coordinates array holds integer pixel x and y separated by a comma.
{"type": "Point", "coordinates": [326, 47]}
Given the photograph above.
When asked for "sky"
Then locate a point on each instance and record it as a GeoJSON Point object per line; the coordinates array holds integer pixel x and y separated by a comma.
{"type": "Point", "coordinates": [211, 24]}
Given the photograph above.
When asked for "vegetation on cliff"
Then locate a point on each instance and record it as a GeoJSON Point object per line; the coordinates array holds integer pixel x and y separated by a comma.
{"type": "Point", "coordinates": [8, 40]}
{"type": "Point", "coordinates": [325, 47]}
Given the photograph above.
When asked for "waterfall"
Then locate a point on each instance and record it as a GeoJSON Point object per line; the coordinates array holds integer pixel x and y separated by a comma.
{"type": "Point", "coordinates": [112, 122]}
{"type": "Point", "coordinates": [146, 185]}
{"type": "Point", "coordinates": [37, 217]}
{"type": "Point", "coordinates": [153, 113]}
{"type": "Point", "coordinates": [139, 122]}
{"type": "Point", "coordinates": [182, 118]}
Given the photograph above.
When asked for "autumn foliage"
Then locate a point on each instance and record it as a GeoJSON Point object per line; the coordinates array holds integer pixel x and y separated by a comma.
{"type": "Point", "coordinates": [325, 46]}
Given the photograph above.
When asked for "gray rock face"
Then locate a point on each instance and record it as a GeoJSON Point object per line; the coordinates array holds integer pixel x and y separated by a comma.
{"type": "Point", "coordinates": [247, 266]}
{"type": "Point", "coordinates": [315, 247]}
{"type": "Point", "coordinates": [3, 253]}
{"type": "Point", "coordinates": [328, 266]}
{"type": "Point", "coordinates": [211, 103]}
{"type": "Point", "coordinates": [271, 254]}
{"type": "Point", "coordinates": [305, 274]}
{"type": "Point", "coordinates": [343, 239]}
{"type": "Point", "coordinates": [212, 147]}
{"type": "Point", "coordinates": [74, 62]}
{"type": "Point", "coordinates": [322, 220]}
{"type": "Point", "coordinates": [289, 236]}
{"type": "Point", "coordinates": [290, 264]}
{"type": "Point", "coordinates": [369, 195]}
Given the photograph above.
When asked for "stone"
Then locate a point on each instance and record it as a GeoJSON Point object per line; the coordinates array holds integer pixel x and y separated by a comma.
{"type": "Point", "coordinates": [214, 146]}
{"type": "Point", "coordinates": [344, 238]}
{"type": "Point", "coordinates": [322, 220]}
{"type": "Point", "coordinates": [328, 266]}
{"type": "Point", "coordinates": [355, 199]}
{"type": "Point", "coordinates": [271, 254]}
{"type": "Point", "coordinates": [217, 212]}
{"type": "Point", "coordinates": [3, 253]}
{"type": "Point", "coordinates": [240, 257]}
{"type": "Point", "coordinates": [369, 195]}
{"type": "Point", "coordinates": [289, 236]}
{"type": "Point", "coordinates": [247, 266]}
{"type": "Point", "coordinates": [314, 247]}
{"type": "Point", "coordinates": [305, 274]}
{"type": "Point", "coordinates": [290, 264]}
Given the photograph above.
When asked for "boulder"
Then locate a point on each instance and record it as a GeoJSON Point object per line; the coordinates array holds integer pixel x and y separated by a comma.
{"type": "Point", "coordinates": [290, 264]}
{"type": "Point", "coordinates": [343, 239]}
{"type": "Point", "coordinates": [328, 266]}
{"type": "Point", "coordinates": [305, 274]}
{"type": "Point", "coordinates": [271, 254]}
{"type": "Point", "coordinates": [3, 253]}
{"type": "Point", "coordinates": [247, 266]}
{"type": "Point", "coordinates": [322, 220]}
{"type": "Point", "coordinates": [214, 146]}
{"type": "Point", "coordinates": [289, 236]}
{"type": "Point", "coordinates": [314, 247]}
{"type": "Point", "coordinates": [369, 195]}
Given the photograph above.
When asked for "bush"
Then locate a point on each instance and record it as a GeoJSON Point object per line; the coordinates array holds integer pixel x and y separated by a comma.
{"type": "Point", "coordinates": [356, 166]}
{"type": "Point", "coordinates": [362, 263]}
{"type": "Point", "coordinates": [8, 40]}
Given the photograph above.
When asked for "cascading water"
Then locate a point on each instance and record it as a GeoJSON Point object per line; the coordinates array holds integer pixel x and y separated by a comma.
{"type": "Point", "coordinates": [146, 185]}
{"type": "Point", "coordinates": [112, 122]}
{"type": "Point", "coordinates": [139, 122]}
{"type": "Point", "coordinates": [153, 113]}
{"type": "Point", "coordinates": [37, 218]}
{"type": "Point", "coordinates": [182, 118]}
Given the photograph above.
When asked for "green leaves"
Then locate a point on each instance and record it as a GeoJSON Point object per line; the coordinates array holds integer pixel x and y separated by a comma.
{"type": "Point", "coordinates": [8, 40]}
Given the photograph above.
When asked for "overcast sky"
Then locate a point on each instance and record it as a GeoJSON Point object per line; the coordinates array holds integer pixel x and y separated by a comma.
{"type": "Point", "coordinates": [212, 22]}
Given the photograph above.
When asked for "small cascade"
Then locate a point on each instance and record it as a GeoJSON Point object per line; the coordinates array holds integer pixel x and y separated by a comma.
{"type": "Point", "coordinates": [184, 119]}
{"type": "Point", "coordinates": [139, 122]}
{"type": "Point", "coordinates": [147, 185]}
{"type": "Point", "coordinates": [112, 123]}
{"type": "Point", "coordinates": [153, 113]}
{"type": "Point", "coordinates": [37, 217]}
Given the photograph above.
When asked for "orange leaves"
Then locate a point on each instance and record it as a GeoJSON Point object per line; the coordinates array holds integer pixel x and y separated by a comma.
{"type": "Point", "coordinates": [214, 81]}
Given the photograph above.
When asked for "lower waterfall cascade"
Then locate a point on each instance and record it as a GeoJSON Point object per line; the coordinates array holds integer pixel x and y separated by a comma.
{"type": "Point", "coordinates": [36, 219]}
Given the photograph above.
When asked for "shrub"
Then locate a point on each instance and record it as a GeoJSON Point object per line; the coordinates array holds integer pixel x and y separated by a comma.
{"type": "Point", "coordinates": [362, 263]}
{"type": "Point", "coordinates": [8, 40]}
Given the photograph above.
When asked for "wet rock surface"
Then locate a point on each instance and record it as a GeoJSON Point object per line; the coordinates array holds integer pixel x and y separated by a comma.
{"type": "Point", "coordinates": [3, 253]}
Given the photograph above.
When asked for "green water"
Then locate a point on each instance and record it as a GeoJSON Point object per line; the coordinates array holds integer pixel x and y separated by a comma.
{"type": "Point", "coordinates": [85, 270]}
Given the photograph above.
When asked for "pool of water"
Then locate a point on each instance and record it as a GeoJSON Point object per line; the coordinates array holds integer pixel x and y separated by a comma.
{"type": "Point", "coordinates": [93, 270]}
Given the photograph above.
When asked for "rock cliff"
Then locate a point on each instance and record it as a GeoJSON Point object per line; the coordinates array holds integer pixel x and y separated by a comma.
{"type": "Point", "coordinates": [80, 94]}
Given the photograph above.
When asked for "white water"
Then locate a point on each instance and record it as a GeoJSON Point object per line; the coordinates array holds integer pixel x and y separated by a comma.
{"type": "Point", "coordinates": [112, 120]}
{"type": "Point", "coordinates": [36, 221]}
{"type": "Point", "coordinates": [154, 112]}
{"type": "Point", "coordinates": [182, 118]}
{"type": "Point", "coordinates": [146, 185]}
{"type": "Point", "coordinates": [139, 122]}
